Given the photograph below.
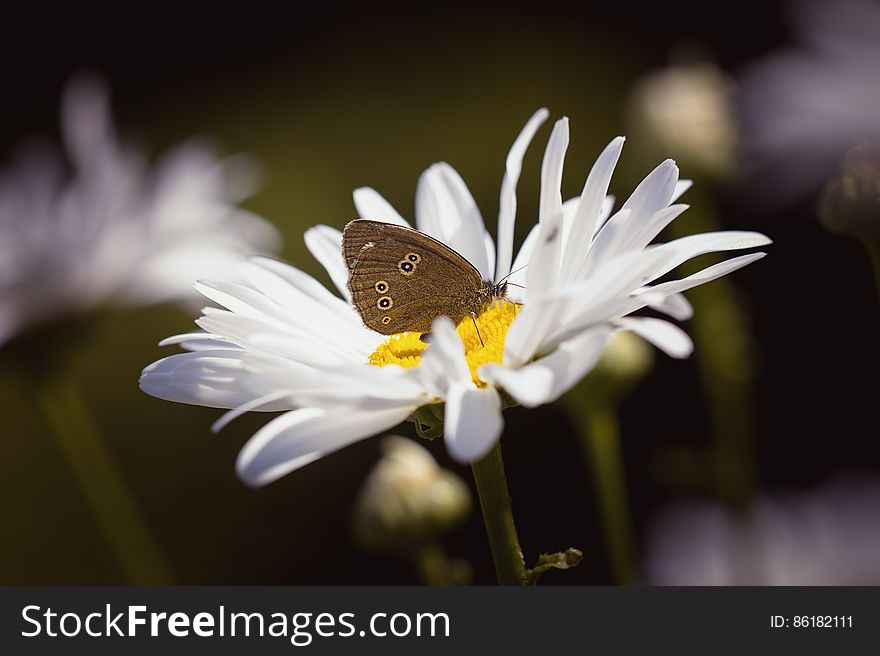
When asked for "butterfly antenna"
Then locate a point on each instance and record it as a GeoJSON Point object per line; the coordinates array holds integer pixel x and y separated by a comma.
{"type": "Point", "coordinates": [477, 328]}
{"type": "Point", "coordinates": [512, 272]}
{"type": "Point", "coordinates": [513, 284]}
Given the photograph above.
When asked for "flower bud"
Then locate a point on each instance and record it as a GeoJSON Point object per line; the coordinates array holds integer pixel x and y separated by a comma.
{"type": "Point", "coordinates": [408, 500]}
{"type": "Point", "coordinates": [685, 112]}
{"type": "Point", "coordinates": [850, 203]}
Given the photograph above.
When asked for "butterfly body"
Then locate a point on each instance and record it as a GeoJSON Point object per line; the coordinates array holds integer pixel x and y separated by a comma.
{"type": "Point", "coordinates": [401, 279]}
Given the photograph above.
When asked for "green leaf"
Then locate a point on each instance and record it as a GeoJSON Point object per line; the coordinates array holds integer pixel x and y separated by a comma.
{"type": "Point", "coordinates": [428, 420]}
{"type": "Point", "coordinates": [567, 559]}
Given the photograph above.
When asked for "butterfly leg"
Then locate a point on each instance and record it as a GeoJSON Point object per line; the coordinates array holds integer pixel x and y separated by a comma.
{"type": "Point", "coordinates": [477, 328]}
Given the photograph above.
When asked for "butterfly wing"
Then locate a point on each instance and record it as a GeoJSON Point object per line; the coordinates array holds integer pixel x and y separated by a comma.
{"type": "Point", "coordinates": [401, 279]}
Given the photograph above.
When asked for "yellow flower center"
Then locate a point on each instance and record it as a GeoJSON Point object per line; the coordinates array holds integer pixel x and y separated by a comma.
{"type": "Point", "coordinates": [487, 345]}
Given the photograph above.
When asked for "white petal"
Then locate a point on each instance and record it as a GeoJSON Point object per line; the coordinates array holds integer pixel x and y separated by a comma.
{"type": "Point", "coordinates": [254, 313]}
{"type": "Point", "coordinates": [668, 337]}
{"type": "Point", "coordinates": [507, 202]}
{"type": "Point", "coordinates": [380, 387]}
{"type": "Point", "coordinates": [473, 422]}
{"type": "Point", "coordinates": [216, 379]}
{"type": "Point", "coordinates": [302, 436]}
{"type": "Point", "coordinates": [257, 404]}
{"type": "Point", "coordinates": [530, 385]}
{"type": "Point", "coordinates": [279, 290]}
{"type": "Point", "coordinates": [607, 208]}
{"type": "Point", "coordinates": [652, 195]}
{"type": "Point", "coordinates": [643, 233]}
{"type": "Point", "coordinates": [551, 171]}
{"type": "Point", "coordinates": [198, 342]}
{"type": "Point", "coordinates": [682, 250]}
{"type": "Point", "coordinates": [543, 270]}
{"type": "Point", "coordinates": [675, 305]}
{"type": "Point", "coordinates": [601, 297]}
{"type": "Point", "coordinates": [655, 191]}
{"type": "Point", "coordinates": [444, 360]}
{"type": "Point", "coordinates": [618, 272]}
{"type": "Point", "coordinates": [680, 187]}
{"type": "Point", "coordinates": [305, 348]}
{"type": "Point", "coordinates": [570, 208]}
{"type": "Point", "coordinates": [626, 232]}
{"type": "Point", "coordinates": [471, 235]}
{"type": "Point", "coordinates": [530, 328]}
{"type": "Point", "coordinates": [614, 280]}
{"type": "Point", "coordinates": [568, 310]}
{"type": "Point", "coordinates": [548, 378]}
{"type": "Point", "coordinates": [304, 283]}
{"type": "Point", "coordinates": [325, 317]}
{"type": "Point", "coordinates": [490, 251]}
{"type": "Point", "coordinates": [706, 275]}
{"type": "Point", "coordinates": [370, 205]}
{"type": "Point", "coordinates": [518, 276]}
{"type": "Point", "coordinates": [325, 245]}
{"type": "Point", "coordinates": [589, 210]}
{"type": "Point", "coordinates": [446, 210]}
{"type": "Point", "coordinates": [534, 324]}
{"type": "Point", "coordinates": [575, 358]}
{"type": "Point", "coordinates": [429, 211]}
{"type": "Point", "coordinates": [604, 245]}
{"type": "Point", "coordinates": [241, 300]}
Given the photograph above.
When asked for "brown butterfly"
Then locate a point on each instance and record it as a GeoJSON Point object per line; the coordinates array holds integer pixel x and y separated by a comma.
{"type": "Point", "coordinates": [401, 279]}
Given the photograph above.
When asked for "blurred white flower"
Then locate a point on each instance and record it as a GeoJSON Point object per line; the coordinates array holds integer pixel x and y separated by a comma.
{"type": "Point", "coordinates": [804, 106]}
{"type": "Point", "coordinates": [115, 230]}
{"type": "Point", "coordinates": [828, 536]}
{"type": "Point", "coordinates": [686, 110]}
{"type": "Point", "coordinates": [408, 500]}
{"type": "Point", "coordinates": [286, 343]}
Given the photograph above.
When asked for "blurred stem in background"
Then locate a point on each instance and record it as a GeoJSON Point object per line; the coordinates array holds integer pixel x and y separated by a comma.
{"type": "Point", "coordinates": [435, 567]}
{"type": "Point", "coordinates": [593, 407]}
{"type": "Point", "coordinates": [686, 111]}
{"type": "Point", "coordinates": [850, 203]}
{"type": "Point", "coordinates": [600, 441]}
{"type": "Point", "coordinates": [722, 351]}
{"type": "Point", "coordinates": [77, 435]}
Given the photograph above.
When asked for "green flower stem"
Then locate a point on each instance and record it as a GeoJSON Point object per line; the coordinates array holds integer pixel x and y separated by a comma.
{"type": "Point", "coordinates": [498, 518]}
{"type": "Point", "coordinates": [600, 436]}
{"type": "Point", "coordinates": [722, 352]}
{"type": "Point", "coordinates": [77, 435]}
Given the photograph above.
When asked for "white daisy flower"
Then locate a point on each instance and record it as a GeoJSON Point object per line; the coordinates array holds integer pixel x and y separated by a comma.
{"type": "Point", "coordinates": [284, 342]}
{"type": "Point", "coordinates": [803, 106]}
{"type": "Point", "coordinates": [115, 230]}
